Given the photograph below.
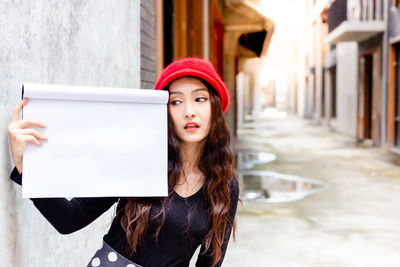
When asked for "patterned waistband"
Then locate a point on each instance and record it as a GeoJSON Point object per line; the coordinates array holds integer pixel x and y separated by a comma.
{"type": "Point", "coordinates": [106, 256]}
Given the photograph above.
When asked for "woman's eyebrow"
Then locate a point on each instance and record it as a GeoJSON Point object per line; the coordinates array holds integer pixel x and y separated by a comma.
{"type": "Point", "coordinates": [193, 91]}
{"type": "Point", "coordinates": [199, 89]}
{"type": "Point", "coordinates": [176, 92]}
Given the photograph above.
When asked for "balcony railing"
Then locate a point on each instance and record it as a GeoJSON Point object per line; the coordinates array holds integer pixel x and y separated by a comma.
{"type": "Point", "coordinates": [337, 13]}
{"type": "Point", "coordinates": [354, 10]}
{"type": "Point", "coordinates": [365, 10]}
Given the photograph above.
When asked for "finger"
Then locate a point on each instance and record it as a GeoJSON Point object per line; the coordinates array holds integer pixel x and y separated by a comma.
{"type": "Point", "coordinates": [17, 109]}
{"type": "Point", "coordinates": [26, 123]}
{"type": "Point", "coordinates": [34, 133]}
{"type": "Point", "coordinates": [32, 139]}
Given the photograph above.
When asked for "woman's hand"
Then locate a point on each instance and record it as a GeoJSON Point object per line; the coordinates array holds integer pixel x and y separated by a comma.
{"type": "Point", "coordinates": [19, 136]}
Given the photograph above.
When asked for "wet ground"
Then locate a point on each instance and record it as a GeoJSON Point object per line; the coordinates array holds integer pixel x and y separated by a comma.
{"type": "Point", "coordinates": [353, 221]}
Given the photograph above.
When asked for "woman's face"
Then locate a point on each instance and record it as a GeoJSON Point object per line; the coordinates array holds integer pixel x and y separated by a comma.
{"type": "Point", "coordinates": [190, 109]}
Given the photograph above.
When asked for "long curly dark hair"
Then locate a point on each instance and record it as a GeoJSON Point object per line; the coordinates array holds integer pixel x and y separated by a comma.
{"type": "Point", "coordinates": [215, 162]}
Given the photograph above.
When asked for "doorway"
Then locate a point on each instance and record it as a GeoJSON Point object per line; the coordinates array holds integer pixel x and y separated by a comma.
{"type": "Point", "coordinates": [368, 96]}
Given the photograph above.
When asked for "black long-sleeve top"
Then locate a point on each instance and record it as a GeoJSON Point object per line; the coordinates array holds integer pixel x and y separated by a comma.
{"type": "Point", "coordinates": [185, 227]}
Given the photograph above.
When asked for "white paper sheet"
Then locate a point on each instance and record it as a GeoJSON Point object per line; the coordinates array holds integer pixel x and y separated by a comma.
{"type": "Point", "coordinates": [101, 142]}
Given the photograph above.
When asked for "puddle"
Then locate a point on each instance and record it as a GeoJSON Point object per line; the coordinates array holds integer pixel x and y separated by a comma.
{"type": "Point", "coordinates": [273, 187]}
{"type": "Point", "coordinates": [247, 159]}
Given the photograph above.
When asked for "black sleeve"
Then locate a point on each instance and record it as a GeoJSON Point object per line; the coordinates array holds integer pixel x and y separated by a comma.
{"type": "Point", "coordinates": [205, 259]}
{"type": "Point", "coordinates": [16, 176]}
{"type": "Point", "coordinates": [68, 216]}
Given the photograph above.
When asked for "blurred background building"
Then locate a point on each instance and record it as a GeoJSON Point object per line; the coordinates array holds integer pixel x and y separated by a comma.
{"type": "Point", "coordinates": [346, 66]}
{"type": "Point", "coordinates": [350, 80]}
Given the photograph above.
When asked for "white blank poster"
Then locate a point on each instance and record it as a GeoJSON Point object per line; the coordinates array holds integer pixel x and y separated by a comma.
{"type": "Point", "coordinates": [101, 142]}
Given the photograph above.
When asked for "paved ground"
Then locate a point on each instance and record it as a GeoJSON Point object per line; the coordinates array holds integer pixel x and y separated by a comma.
{"type": "Point", "coordinates": [355, 222]}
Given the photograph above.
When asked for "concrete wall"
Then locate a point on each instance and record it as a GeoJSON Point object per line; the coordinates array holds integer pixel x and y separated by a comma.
{"type": "Point", "coordinates": [302, 67]}
{"type": "Point", "coordinates": [94, 43]}
{"type": "Point", "coordinates": [318, 70]}
{"type": "Point", "coordinates": [346, 86]}
{"type": "Point", "coordinates": [309, 96]}
{"type": "Point", "coordinates": [254, 99]}
{"type": "Point", "coordinates": [240, 85]}
{"type": "Point", "coordinates": [394, 23]}
{"type": "Point", "coordinates": [328, 98]}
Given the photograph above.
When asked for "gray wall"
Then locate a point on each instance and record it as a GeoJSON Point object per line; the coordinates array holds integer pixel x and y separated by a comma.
{"type": "Point", "coordinates": [346, 88]}
{"type": "Point", "coordinates": [394, 22]}
{"type": "Point", "coordinates": [94, 43]}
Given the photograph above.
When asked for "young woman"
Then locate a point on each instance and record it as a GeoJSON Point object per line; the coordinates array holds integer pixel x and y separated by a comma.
{"type": "Point", "coordinates": [203, 190]}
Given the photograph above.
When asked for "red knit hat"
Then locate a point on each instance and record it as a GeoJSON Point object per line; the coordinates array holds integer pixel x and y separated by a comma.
{"type": "Point", "coordinates": [196, 67]}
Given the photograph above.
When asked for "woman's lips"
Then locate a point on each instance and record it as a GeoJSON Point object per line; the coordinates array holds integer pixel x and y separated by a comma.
{"type": "Point", "coordinates": [191, 126]}
{"type": "Point", "coordinates": [191, 129]}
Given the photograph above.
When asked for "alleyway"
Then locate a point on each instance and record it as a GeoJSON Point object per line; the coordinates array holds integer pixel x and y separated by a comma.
{"type": "Point", "coordinates": [354, 222]}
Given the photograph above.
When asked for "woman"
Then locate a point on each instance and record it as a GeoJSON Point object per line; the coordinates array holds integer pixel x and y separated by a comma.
{"type": "Point", "coordinates": [203, 190]}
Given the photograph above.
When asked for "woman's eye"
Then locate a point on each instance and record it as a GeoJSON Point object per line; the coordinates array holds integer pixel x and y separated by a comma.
{"type": "Point", "coordinates": [201, 99]}
{"type": "Point", "coordinates": [175, 102]}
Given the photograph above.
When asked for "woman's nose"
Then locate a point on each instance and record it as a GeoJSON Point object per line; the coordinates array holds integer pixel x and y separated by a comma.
{"type": "Point", "coordinates": [189, 111]}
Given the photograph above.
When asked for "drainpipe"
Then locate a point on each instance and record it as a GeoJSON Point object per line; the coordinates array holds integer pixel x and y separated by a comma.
{"type": "Point", "coordinates": [206, 30]}
{"type": "Point", "coordinates": [384, 86]}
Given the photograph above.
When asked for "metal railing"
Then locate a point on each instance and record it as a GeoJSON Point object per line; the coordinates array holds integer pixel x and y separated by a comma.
{"type": "Point", "coordinates": [354, 10]}
{"type": "Point", "coordinates": [337, 13]}
{"type": "Point", "coordinates": [365, 10]}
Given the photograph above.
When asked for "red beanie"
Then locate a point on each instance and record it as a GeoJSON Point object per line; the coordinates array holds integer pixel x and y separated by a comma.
{"type": "Point", "coordinates": [196, 67]}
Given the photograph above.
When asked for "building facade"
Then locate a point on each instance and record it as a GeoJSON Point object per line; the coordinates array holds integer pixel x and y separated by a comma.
{"type": "Point", "coordinates": [393, 111]}
{"type": "Point", "coordinates": [348, 68]}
